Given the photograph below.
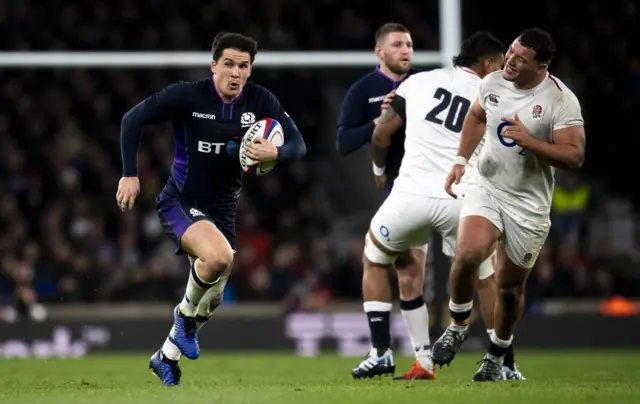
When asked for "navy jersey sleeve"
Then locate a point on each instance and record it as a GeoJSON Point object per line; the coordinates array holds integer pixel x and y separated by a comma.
{"type": "Point", "coordinates": [354, 127]}
{"type": "Point", "coordinates": [161, 107]}
{"type": "Point", "coordinates": [294, 146]}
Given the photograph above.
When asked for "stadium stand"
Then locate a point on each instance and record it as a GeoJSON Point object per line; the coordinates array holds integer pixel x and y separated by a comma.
{"type": "Point", "coordinates": [63, 239]}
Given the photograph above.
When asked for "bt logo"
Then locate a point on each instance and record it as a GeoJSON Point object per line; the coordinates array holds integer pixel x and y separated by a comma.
{"type": "Point", "coordinates": [209, 147]}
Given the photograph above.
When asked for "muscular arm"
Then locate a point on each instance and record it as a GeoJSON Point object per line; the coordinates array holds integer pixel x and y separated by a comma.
{"type": "Point", "coordinates": [568, 145]}
{"type": "Point", "coordinates": [388, 123]}
{"type": "Point", "coordinates": [157, 108]}
{"type": "Point", "coordinates": [566, 151]}
{"type": "Point", "coordinates": [472, 130]}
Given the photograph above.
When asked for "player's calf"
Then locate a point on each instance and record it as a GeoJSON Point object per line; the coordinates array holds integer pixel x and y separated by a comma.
{"type": "Point", "coordinates": [211, 300]}
{"type": "Point", "coordinates": [510, 281]}
{"type": "Point", "coordinates": [476, 239]}
{"type": "Point", "coordinates": [488, 297]}
{"type": "Point", "coordinates": [208, 271]}
{"type": "Point", "coordinates": [463, 274]}
{"type": "Point", "coordinates": [410, 267]}
{"type": "Point", "coordinates": [377, 305]}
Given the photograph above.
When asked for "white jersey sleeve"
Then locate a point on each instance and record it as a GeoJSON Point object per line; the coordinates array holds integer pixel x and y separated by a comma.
{"type": "Point", "coordinates": [567, 112]}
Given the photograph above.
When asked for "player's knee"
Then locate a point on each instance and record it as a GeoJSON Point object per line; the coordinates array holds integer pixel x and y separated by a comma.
{"type": "Point", "coordinates": [468, 260]}
{"type": "Point", "coordinates": [375, 255]}
{"type": "Point", "coordinates": [510, 295]}
{"type": "Point", "coordinates": [216, 261]}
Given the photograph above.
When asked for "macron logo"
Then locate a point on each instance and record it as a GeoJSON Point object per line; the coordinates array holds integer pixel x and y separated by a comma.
{"type": "Point", "coordinates": [202, 116]}
{"type": "Point", "coordinates": [376, 99]}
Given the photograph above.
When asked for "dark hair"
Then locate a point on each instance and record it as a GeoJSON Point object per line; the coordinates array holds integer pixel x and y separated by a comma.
{"type": "Point", "coordinates": [388, 28]}
{"type": "Point", "coordinates": [231, 40]}
{"type": "Point", "coordinates": [540, 41]}
{"type": "Point", "coordinates": [481, 43]}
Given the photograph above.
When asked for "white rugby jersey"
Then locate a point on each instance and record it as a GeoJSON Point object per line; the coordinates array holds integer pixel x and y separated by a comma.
{"type": "Point", "coordinates": [519, 178]}
{"type": "Point", "coordinates": [436, 103]}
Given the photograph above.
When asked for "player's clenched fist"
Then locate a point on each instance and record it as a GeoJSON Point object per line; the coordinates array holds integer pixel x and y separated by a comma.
{"type": "Point", "coordinates": [128, 191]}
{"type": "Point", "coordinates": [387, 100]}
{"type": "Point", "coordinates": [457, 171]}
{"type": "Point", "coordinates": [386, 112]}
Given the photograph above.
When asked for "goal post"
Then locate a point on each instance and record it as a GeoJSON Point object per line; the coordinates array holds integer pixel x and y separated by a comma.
{"type": "Point", "coordinates": [285, 59]}
{"type": "Point", "coordinates": [450, 16]}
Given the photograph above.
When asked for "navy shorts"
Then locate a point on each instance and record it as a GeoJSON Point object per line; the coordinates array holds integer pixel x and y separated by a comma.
{"type": "Point", "coordinates": [177, 214]}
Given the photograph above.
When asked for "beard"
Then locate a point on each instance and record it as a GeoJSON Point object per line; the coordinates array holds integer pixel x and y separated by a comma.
{"type": "Point", "coordinates": [396, 68]}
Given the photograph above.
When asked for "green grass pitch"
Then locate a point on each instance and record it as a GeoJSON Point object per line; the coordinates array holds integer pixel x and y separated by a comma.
{"type": "Point", "coordinates": [553, 377]}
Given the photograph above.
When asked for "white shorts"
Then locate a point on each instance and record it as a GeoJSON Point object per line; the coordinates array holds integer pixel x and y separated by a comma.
{"type": "Point", "coordinates": [522, 237]}
{"type": "Point", "coordinates": [405, 221]}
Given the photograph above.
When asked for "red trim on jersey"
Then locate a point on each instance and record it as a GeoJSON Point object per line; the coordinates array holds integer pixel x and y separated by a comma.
{"type": "Point", "coordinates": [554, 81]}
{"type": "Point", "coordinates": [470, 71]}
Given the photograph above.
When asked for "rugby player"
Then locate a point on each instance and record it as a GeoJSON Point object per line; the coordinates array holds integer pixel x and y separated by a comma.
{"type": "Point", "coordinates": [359, 115]}
{"type": "Point", "coordinates": [197, 207]}
{"type": "Point", "coordinates": [432, 105]}
{"type": "Point", "coordinates": [533, 123]}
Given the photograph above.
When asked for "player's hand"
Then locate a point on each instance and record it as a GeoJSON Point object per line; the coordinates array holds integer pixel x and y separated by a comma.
{"type": "Point", "coordinates": [516, 131]}
{"type": "Point", "coordinates": [457, 171]}
{"type": "Point", "coordinates": [128, 191]}
{"type": "Point", "coordinates": [381, 180]}
{"type": "Point", "coordinates": [387, 100]}
{"type": "Point", "coordinates": [385, 107]}
{"type": "Point", "coordinates": [261, 151]}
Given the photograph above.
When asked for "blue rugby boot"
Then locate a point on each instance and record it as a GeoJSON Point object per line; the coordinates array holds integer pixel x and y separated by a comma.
{"type": "Point", "coordinates": [184, 334]}
{"type": "Point", "coordinates": [167, 370]}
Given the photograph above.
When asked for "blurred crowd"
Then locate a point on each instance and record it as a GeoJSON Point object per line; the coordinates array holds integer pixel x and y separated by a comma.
{"type": "Point", "coordinates": [62, 238]}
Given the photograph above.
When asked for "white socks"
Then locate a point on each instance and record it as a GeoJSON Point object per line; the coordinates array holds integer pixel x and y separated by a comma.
{"type": "Point", "coordinates": [170, 351]}
{"type": "Point", "coordinates": [462, 311]}
{"type": "Point", "coordinates": [500, 342]}
{"type": "Point", "coordinates": [416, 319]}
{"type": "Point", "coordinates": [196, 288]}
{"type": "Point", "coordinates": [197, 301]}
{"type": "Point", "coordinates": [214, 294]}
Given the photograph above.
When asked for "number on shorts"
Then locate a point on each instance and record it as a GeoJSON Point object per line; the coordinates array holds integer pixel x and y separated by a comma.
{"type": "Point", "coordinates": [458, 107]}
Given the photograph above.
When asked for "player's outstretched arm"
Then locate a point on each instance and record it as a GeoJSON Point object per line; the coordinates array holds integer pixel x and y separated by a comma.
{"type": "Point", "coordinates": [472, 130]}
{"type": "Point", "coordinates": [157, 108]}
{"type": "Point", "coordinates": [354, 130]}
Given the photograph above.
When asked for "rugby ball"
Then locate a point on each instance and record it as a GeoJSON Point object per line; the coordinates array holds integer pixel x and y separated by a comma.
{"type": "Point", "coordinates": [266, 128]}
